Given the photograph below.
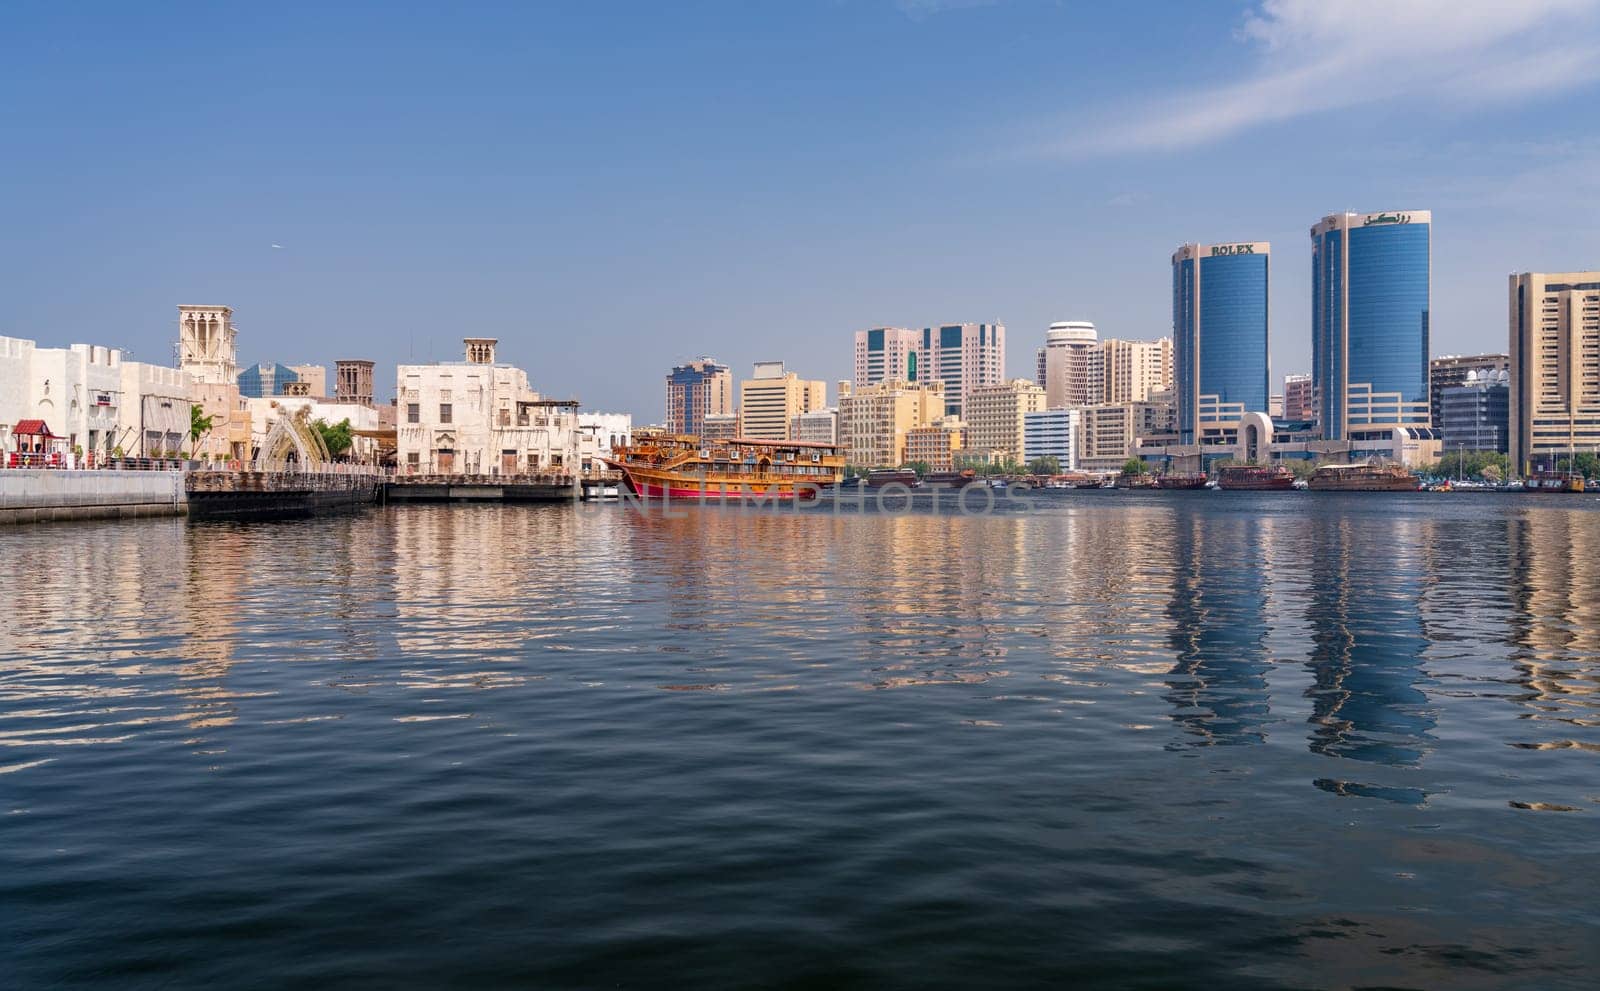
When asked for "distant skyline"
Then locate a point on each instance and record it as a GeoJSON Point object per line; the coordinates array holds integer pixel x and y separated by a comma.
{"type": "Point", "coordinates": [613, 189]}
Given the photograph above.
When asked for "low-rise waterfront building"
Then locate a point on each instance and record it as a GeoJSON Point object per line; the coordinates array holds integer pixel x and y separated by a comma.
{"type": "Point", "coordinates": [1053, 433]}
{"type": "Point", "coordinates": [1450, 370]}
{"type": "Point", "coordinates": [480, 417]}
{"type": "Point", "coordinates": [937, 444]}
{"type": "Point", "coordinates": [873, 421]}
{"type": "Point", "coordinates": [1110, 433]}
{"type": "Point", "coordinates": [1475, 415]}
{"type": "Point", "coordinates": [819, 426]}
{"type": "Point", "coordinates": [719, 426]}
{"type": "Point", "coordinates": [995, 417]}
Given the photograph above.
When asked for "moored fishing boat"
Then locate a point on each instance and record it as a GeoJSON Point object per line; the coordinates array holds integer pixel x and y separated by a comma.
{"type": "Point", "coordinates": [1189, 480]}
{"type": "Point", "coordinates": [1363, 478]}
{"type": "Point", "coordinates": [1255, 478]}
{"type": "Point", "coordinates": [950, 479]}
{"type": "Point", "coordinates": [892, 476]}
{"type": "Point", "coordinates": [682, 466]}
{"type": "Point", "coordinates": [1553, 481]}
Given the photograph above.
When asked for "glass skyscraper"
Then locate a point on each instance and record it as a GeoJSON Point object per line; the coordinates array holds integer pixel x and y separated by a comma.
{"type": "Point", "coordinates": [1219, 337]}
{"type": "Point", "coordinates": [1369, 322]}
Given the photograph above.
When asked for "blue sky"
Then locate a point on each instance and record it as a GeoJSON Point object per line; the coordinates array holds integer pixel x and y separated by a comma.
{"type": "Point", "coordinates": [612, 187]}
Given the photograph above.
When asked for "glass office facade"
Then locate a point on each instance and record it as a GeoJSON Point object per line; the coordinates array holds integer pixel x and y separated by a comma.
{"type": "Point", "coordinates": [1369, 321]}
{"type": "Point", "coordinates": [1220, 339]}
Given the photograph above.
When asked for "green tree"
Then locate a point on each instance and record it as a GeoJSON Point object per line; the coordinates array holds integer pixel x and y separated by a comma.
{"type": "Point", "coordinates": [920, 467]}
{"type": "Point", "coordinates": [338, 437]}
{"type": "Point", "coordinates": [199, 424]}
{"type": "Point", "coordinates": [1046, 465]}
{"type": "Point", "coordinates": [1134, 466]}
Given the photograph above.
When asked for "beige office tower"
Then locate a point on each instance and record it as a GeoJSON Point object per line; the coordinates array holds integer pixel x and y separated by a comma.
{"type": "Point", "coordinates": [207, 348]}
{"type": "Point", "coordinates": [1136, 370]}
{"type": "Point", "coordinates": [1555, 366]}
{"type": "Point", "coordinates": [771, 399]}
{"type": "Point", "coordinates": [352, 380]}
{"type": "Point", "coordinates": [996, 418]}
{"type": "Point", "coordinates": [1074, 365]}
{"type": "Point", "coordinates": [874, 421]}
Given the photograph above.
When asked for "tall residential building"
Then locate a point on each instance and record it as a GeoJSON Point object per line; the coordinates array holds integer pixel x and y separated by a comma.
{"type": "Point", "coordinates": [1370, 297]}
{"type": "Point", "coordinates": [772, 397]}
{"type": "Point", "coordinates": [1135, 370]}
{"type": "Point", "coordinates": [352, 381]}
{"type": "Point", "coordinates": [315, 378]}
{"type": "Point", "coordinates": [936, 444]}
{"type": "Point", "coordinates": [963, 356]}
{"type": "Point", "coordinates": [886, 353]}
{"type": "Point", "coordinates": [1073, 365]}
{"type": "Point", "coordinates": [1555, 366]}
{"type": "Point", "coordinates": [207, 344]}
{"type": "Point", "coordinates": [695, 389]}
{"type": "Point", "coordinates": [1053, 433]}
{"type": "Point", "coordinates": [873, 421]}
{"type": "Point", "coordinates": [1450, 370]}
{"type": "Point", "coordinates": [1220, 339]}
{"type": "Point", "coordinates": [1299, 402]}
{"type": "Point", "coordinates": [996, 418]}
{"type": "Point", "coordinates": [1475, 415]}
{"type": "Point", "coordinates": [1111, 432]}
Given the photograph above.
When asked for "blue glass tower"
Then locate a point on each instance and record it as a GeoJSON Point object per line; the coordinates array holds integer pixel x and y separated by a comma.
{"type": "Point", "coordinates": [1219, 337]}
{"type": "Point", "coordinates": [1370, 279]}
{"type": "Point", "coordinates": [265, 380]}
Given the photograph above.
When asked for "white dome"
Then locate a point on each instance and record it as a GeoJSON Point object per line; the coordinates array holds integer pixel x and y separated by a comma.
{"type": "Point", "coordinates": [1077, 331]}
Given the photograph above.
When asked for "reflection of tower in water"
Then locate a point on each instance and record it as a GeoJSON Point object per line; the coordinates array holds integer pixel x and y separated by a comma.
{"type": "Point", "coordinates": [1555, 588]}
{"type": "Point", "coordinates": [1367, 643]}
{"type": "Point", "coordinates": [1218, 622]}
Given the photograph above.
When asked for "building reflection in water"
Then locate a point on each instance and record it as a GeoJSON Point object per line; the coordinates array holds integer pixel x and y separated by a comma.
{"type": "Point", "coordinates": [1218, 627]}
{"type": "Point", "coordinates": [1555, 626]}
{"type": "Point", "coordinates": [1367, 649]}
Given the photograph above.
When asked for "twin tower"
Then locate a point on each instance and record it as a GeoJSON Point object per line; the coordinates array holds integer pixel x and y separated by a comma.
{"type": "Point", "coordinates": [1370, 294]}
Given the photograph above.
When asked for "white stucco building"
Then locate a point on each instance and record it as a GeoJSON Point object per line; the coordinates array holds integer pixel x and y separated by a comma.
{"type": "Point", "coordinates": [94, 401]}
{"type": "Point", "coordinates": [479, 417]}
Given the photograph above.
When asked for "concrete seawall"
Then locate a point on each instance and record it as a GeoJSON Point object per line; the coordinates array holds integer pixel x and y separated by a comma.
{"type": "Point", "coordinates": [37, 495]}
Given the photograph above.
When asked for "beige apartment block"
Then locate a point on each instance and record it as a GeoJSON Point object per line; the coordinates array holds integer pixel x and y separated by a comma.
{"type": "Point", "coordinates": [1135, 371]}
{"type": "Point", "coordinates": [996, 416]}
{"type": "Point", "coordinates": [820, 426]}
{"type": "Point", "coordinates": [874, 420]}
{"type": "Point", "coordinates": [1298, 398]}
{"type": "Point", "coordinates": [1555, 366]}
{"type": "Point", "coordinates": [1112, 432]}
{"type": "Point", "coordinates": [719, 426]}
{"type": "Point", "coordinates": [937, 443]}
{"type": "Point", "coordinates": [773, 397]}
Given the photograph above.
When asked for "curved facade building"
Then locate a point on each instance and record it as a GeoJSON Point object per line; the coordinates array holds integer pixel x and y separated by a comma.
{"type": "Point", "coordinates": [1219, 337]}
{"type": "Point", "coordinates": [1072, 364]}
{"type": "Point", "coordinates": [1370, 296]}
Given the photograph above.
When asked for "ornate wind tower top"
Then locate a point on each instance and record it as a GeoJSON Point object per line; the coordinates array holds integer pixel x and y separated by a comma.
{"type": "Point", "coordinates": [206, 343]}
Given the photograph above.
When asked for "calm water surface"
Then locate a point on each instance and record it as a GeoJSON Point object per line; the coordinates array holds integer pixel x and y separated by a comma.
{"type": "Point", "coordinates": [1157, 740]}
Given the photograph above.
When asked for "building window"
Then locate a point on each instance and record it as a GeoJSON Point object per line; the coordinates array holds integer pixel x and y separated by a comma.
{"type": "Point", "coordinates": [445, 413]}
{"type": "Point", "coordinates": [413, 412]}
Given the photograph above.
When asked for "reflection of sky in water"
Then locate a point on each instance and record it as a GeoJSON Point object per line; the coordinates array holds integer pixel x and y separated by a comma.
{"type": "Point", "coordinates": [1381, 667]}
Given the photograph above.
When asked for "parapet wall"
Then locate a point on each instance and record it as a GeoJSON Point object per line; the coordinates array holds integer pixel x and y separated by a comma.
{"type": "Point", "coordinates": [29, 495]}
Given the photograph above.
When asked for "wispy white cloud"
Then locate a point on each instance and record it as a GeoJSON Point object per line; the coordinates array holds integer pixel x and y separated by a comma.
{"type": "Point", "coordinates": [1312, 56]}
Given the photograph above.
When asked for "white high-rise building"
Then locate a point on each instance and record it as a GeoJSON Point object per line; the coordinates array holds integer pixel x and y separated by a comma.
{"type": "Point", "coordinates": [1074, 365]}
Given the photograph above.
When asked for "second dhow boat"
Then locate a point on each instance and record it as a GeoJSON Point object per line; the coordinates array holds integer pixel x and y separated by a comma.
{"type": "Point", "coordinates": [1254, 478]}
{"type": "Point", "coordinates": [683, 466]}
{"type": "Point", "coordinates": [1363, 478]}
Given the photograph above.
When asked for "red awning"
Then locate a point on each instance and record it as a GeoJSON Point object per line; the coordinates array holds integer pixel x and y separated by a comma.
{"type": "Point", "coordinates": [34, 428]}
